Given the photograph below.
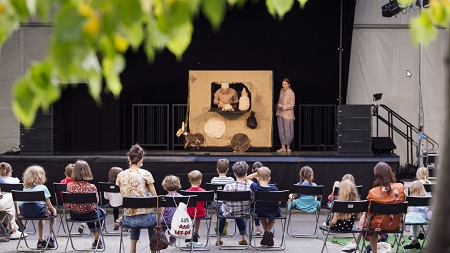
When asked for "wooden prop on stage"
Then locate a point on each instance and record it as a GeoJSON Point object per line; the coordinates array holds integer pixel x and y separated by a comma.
{"type": "Point", "coordinates": [259, 88]}
{"type": "Point", "coordinates": [240, 142]}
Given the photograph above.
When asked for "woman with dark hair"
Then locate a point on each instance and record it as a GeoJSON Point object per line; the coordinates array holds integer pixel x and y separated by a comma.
{"type": "Point", "coordinates": [285, 115]}
{"type": "Point", "coordinates": [386, 191]}
{"type": "Point", "coordinates": [137, 182]}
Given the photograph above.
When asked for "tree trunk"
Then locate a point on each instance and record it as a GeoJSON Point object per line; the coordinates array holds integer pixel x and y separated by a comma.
{"type": "Point", "coordinates": [439, 237]}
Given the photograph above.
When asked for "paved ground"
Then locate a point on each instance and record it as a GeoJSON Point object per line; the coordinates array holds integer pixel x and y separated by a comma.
{"type": "Point", "coordinates": [302, 224]}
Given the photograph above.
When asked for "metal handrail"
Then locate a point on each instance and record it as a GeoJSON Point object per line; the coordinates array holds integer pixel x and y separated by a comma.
{"type": "Point", "coordinates": [408, 135]}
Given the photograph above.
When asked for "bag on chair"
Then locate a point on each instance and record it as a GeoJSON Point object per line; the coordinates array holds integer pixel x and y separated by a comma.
{"type": "Point", "coordinates": [159, 240]}
{"type": "Point", "coordinates": [181, 223]}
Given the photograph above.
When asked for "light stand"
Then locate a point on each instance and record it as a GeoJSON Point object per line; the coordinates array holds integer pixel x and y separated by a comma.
{"type": "Point", "coordinates": [421, 152]}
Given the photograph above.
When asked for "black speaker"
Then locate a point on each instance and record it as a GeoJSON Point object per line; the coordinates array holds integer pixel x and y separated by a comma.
{"type": "Point", "coordinates": [38, 139]}
{"type": "Point", "coordinates": [382, 145]}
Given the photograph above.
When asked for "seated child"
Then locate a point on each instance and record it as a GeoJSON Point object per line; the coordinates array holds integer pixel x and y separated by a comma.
{"type": "Point", "coordinates": [222, 179]}
{"type": "Point", "coordinates": [307, 203]}
{"type": "Point", "coordinates": [265, 209]}
{"type": "Point", "coordinates": [255, 167]}
{"type": "Point", "coordinates": [171, 184]}
{"type": "Point", "coordinates": [337, 184]}
{"type": "Point", "coordinates": [344, 221]}
{"type": "Point", "coordinates": [417, 214]}
{"type": "Point", "coordinates": [34, 180]}
{"type": "Point", "coordinates": [81, 175]}
{"type": "Point", "coordinates": [236, 208]}
{"type": "Point", "coordinates": [115, 198]}
{"type": "Point", "coordinates": [195, 178]}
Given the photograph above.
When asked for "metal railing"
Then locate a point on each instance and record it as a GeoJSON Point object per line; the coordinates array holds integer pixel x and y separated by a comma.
{"type": "Point", "coordinates": [409, 132]}
{"type": "Point", "coordinates": [150, 124]}
{"type": "Point", "coordinates": [317, 126]}
{"type": "Point", "coordinates": [178, 116]}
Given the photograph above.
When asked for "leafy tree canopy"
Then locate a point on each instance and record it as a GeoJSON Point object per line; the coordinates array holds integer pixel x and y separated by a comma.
{"type": "Point", "coordinates": [90, 37]}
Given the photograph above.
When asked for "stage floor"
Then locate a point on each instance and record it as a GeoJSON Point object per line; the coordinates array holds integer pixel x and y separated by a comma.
{"type": "Point", "coordinates": [327, 165]}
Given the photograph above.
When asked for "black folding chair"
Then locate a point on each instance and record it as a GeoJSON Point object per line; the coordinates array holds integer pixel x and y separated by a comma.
{"type": "Point", "coordinates": [173, 201]}
{"type": "Point", "coordinates": [346, 207]}
{"type": "Point", "coordinates": [7, 188]}
{"type": "Point", "coordinates": [59, 188]}
{"type": "Point", "coordinates": [234, 196]}
{"type": "Point", "coordinates": [388, 209]}
{"type": "Point", "coordinates": [429, 188]}
{"type": "Point", "coordinates": [215, 188]}
{"type": "Point", "coordinates": [420, 201]}
{"type": "Point", "coordinates": [33, 196]}
{"type": "Point", "coordinates": [305, 190]}
{"type": "Point", "coordinates": [208, 197]}
{"type": "Point", "coordinates": [104, 203]}
{"type": "Point", "coordinates": [270, 196]}
{"type": "Point", "coordinates": [132, 202]}
{"type": "Point", "coordinates": [83, 198]}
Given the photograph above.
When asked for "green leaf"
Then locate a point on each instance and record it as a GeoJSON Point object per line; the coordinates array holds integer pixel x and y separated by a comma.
{"type": "Point", "coordinates": [43, 8]}
{"type": "Point", "coordinates": [21, 8]}
{"type": "Point", "coordinates": [422, 30]}
{"type": "Point", "coordinates": [279, 7]}
{"type": "Point", "coordinates": [112, 67]}
{"type": "Point", "coordinates": [438, 14]}
{"type": "Point", "coordinates": [214, 10]}
{"type": "Point", "coordinates": [24, 104]}
{"type": "Point", "coordinates": [180, 39]}
{"type": "Point", "coordinates": [43, 86]}
{"type": "Point", "coordinates": [303, 2]}
{"type": "Point", "coordinates": [406, 2]}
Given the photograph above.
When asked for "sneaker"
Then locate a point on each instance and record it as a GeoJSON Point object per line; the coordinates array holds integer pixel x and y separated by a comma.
{"type": "Point", "coordinates": [243, 242]}
{"type": "Point", "coordinates": [270, 243]}
{"type": "Point", "coordinates": [219, 242]}
{"type": "Point", "coordinates": [43, 244]}
{"type": "Point", "coordinates": [17, 235]}
{"type": "Point", "coordinates": [194, 238]}
{"type": "Point", "coordinates": [98, 244]}
{"type": "Point", "coordinates": [265, 239]}
{"type": "Point", "coordinates": [258, 233]}
{"type": "Point", "coordinates": [116, 226]}
{"type": "Point", "coordinates": [421, 236]}
{"type": "Point", "coordinates": [412, 245]}
{"type": "Point", "coordinates": [350, 247]}
{"type": "Point", "coordinates": [81, 229]}
{"type": "Point", "coordinates": [172, 240]}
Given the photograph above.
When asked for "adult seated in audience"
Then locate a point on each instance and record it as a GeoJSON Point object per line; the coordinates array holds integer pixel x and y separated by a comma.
{"type": "Point", "coordinates": [384, 191]}
{"type": "Point", "coordinates": [6, 201]}
{"type": "Point", "coordinates": [136, 182]}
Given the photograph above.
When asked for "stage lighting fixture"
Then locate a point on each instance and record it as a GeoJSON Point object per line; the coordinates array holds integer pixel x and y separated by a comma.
{"type": "Point", "coordinates": [377, 96]}
{"type": "Point", "coordinates": [391, 8]}
{"type": "Point", "coordinates": [425, 3]}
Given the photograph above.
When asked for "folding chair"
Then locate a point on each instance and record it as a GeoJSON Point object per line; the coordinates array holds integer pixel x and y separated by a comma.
{"type": "Point", "coordinates": [132, 202]}
{"type": "Point", "coordinates": [420, 201]}
{"type": "Point", "coordinates": [173, 201]}
{"type": "Point", "coordinates": [82, 198]}
{"type": "Point", "coordinates": [429, 188]}
{"type": "Point", "coordinates": [348, 207]}
{"type": "Point", "coordinates": [234, 196]}
{"type": "Point", "coordinates": [215, 188]}
{"type": "Point", "coordinates": [104, 203]}
{"type": "Point", "coordinates": [387, 209]}
{"type": "Point", "coordinates": [33, 196]}
{"type": "Point", "coordinates": [207, 196]}
{"type": "Point", "coordinates": [305, 190]}
{"type": "Point", "coordinates": [270, 196]}
{"type": "Point", "coordinates": [59, 188]}
{"type": "Point", "coordinates": [9, 188]}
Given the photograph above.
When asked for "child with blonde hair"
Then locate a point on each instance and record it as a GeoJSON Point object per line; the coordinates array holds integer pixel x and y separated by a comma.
{"type": "Point", "coordinates": [115, 198]}
{"type": "Point", "coordinates": [307, 203]}
{"type": "Point", "coordinates": [68, 173]}
{"type": "Point", "coordinates": [265, 209]}
{"type": "Point", "coordinates": [34, 180]}
{"type": "Point", "coordinates": [338, 183]}
{"type": "Point", "coordinates": [195, 178]}
{"type": "Point", "coordinates": [416, 214]}
{"type": "Point", "coordinates": [6, 174]}
{"type": "Point", "coordinates": [171, 184]}
{"type": "Point", "coordinates": [422, 175]}
{"type": "Point", "coordinates": [344, 221]}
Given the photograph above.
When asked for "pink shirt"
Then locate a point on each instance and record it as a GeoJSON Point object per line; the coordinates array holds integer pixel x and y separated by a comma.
{"type": "Point", "coordinates": [287, 100]}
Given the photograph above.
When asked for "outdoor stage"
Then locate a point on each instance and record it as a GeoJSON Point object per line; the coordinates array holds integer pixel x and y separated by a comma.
{"type": "Point", "coordinates": [327, 165]}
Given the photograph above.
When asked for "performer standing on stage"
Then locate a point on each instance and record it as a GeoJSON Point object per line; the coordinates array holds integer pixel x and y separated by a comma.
{"type": "Point", "coordinates": [225, 95]}
{"type": "Point", "coordinates": [285, 116]}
